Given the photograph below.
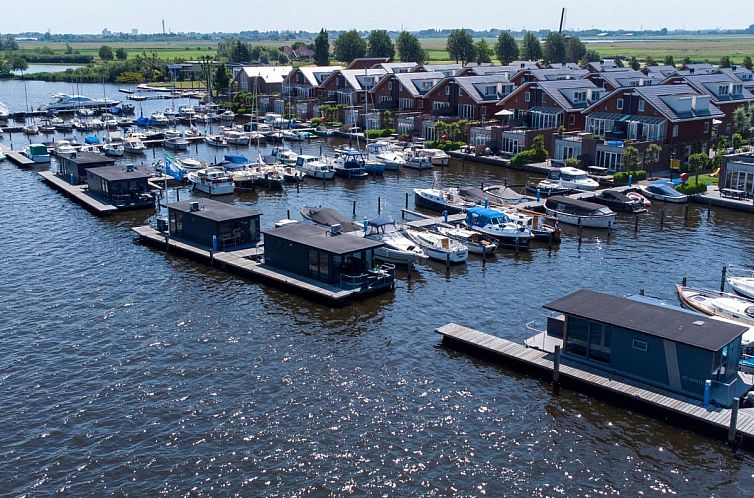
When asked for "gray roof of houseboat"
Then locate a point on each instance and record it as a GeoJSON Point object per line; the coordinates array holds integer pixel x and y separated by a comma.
{"type": "Point", "coordinates": [675, 325]}
{"type": "Point", "coordinates": [115, 173]}
{"type": "Point", "coordinates": [213, 210]}
{"type": "Point", "coordinates": [319, 237]}
{"type": "Point", "coordinates": [84, 157]}
{"type": "Point", "coordinates": [574, 202]}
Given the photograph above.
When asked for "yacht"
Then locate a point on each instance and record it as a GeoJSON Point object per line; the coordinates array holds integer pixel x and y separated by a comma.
{"type": "Point", "coordinates": [398, 248]}
{"type": "Point", "coordinates": [134, 145]}
{"type": "Point", "coordinates": [314, 167]}
{"type": "Point", "coordinates": [158, 119]}
{"type": "Point", "coordinates": [284, 155]}
{"type": "Point", "coordinates": [497, 225]}
{"type": "Point", "coordinates": [417, 159]}
{"type": "Point", "coordinates": [350, 165]}
{"type": "Point", "coordinates": [714, 303]}
{"type": "Point", "coordinates": [618, 201]}
{"type": "Point", "coordinates": [216, 140]}
{"type": "Point", "coordinates": [30, 129]}
{"type": "Point", "coordinates": [113, 149]}
{"type": "Point", "coordinates": [438, 157]}
{"type": "Point", "coordinates": [172, 132]}
{"type": "Point", "coordinates": [63, 102]}
{"type": "Point", "coordinates": [227, 116]}
{"type": "Point", "coordinates": [212, 181]}
{"type": "Point", "coordinates": [192, 164]}
{"type": "Point", "coordinates": [37, 153]}
{"type": "Point", "coordinates": [579, 213]}
{"type": "Point", "coordinates": [381, 152]}
{"type": "Point", "coordinates": [63, 148]}
{"type": "Point", "coordinates": [441, 200]}
{"type": "Point", "coordinates": [573, 178]}
{"type": "Point", "coordinates": [663, 191]}
{"type": "Point", "coordinates": [176, 143]}
{"type": "Point", "coordinates": [235, 137]}
{"type": "Point", "coordinates": [741, 281]}
{"type": "Point", "coordinates": [439, 247]}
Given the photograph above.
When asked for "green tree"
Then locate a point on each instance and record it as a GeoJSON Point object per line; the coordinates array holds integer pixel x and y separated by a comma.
{"type": "Point", "coordinates": [724, 61]}
{"type": "Point", "coordinates": [322, 48]}
{"type": "Point", "coordinates": [630, 158]}
{"type": "Point", "coordinates": [650, 61]}
{"type": "Point", "coordinates": [460, 46]}
{"type": "Point", "coordinates": [506, 48]}
{"type": "Point", "coordinates": [18, 63]}
{"type": "Point", "coordinates": [531, 48]}
{"type": "Point", "coordinates": [380, 44]}
{"type": "Point", "coordinates": [349, 46]}
{"type": "Point", "coordinates": [651, 156]}
{"type": "Point", "coordinates": [575, 49]}
{"type": "Point", "coordinates": [540, 153]}
{"type": "Point", "coordinates": [742, 120]}
{"type": "Point", "coordinates": [669, 60]}
{"type": "Point", "coordinates": [222, 78]}
{"type": "Point", "coordinates": [736, 141]}
{"type": "Point", "coordinates": [590, 56]}
{"type": "Point", "coordinates": [747, 62]}
{"type": "Point", "coordinates": [482, 52]}
{"type": "Point", "coordinates": [121, 54]}
{"type": "Point", "coordinates": [409, 48]}
{"type": "Point", "coordinates": [555, 48]}
{"type": "Point", "coordinates": [633, 63]}
{"type": "Point", "coordinates": [698, 162]}
{"type": "Point", "coordinates": [68, 49]}
{"type": "Point", "coordinates": [283, 59]}
{"type": "Point", "coordinates": [618, 60]}
{"type": "Point", "coordinates": [106, 53]}
{"type": "Point", "coordinates": [239, 52]}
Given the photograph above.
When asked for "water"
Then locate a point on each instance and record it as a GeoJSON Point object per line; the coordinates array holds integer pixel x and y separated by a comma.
{"type": "Point", "coordinates": [128, 372]}
{"type": "Point", "coordinates": [48, 68]}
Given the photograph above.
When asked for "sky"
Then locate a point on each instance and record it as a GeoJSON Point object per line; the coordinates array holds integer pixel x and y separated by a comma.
{"type": "Point", "coordinates": [91, 16]}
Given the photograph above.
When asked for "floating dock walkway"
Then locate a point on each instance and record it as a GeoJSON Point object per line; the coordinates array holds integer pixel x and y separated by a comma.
{"type": "Point", "coordinates": [77, 193]}
{"type": "Point", "coordinates": [247, 262]}
{"type": "Point", "coordinates": [736, 425]}
{"type": "Point", "coordinates": [19, 159]}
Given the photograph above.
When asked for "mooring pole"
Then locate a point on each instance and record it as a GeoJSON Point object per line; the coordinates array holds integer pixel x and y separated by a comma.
{"type": "Point", "coordinates": [733, 421]}
{"type": "Point", "coordinates": [722, 278]}
{"type": "Point", "coordinates": [556, 367]}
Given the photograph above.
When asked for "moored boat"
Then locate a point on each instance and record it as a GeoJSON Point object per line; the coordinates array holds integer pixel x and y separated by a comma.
{"type": "Point", "coordinates": [498, 225]}
{"type": "Point", "coordinates": [134, 145]}
{"type": "Point", "coordinates": [398, 248]}
{"type": "Point", "coordinates": [579, 213]}
{"type": "Point", "coordinates": [313, 167]}
{"type": "Point", "coordinates": [350, 165]}
{"type": "Point", "coordinates": [212, 181]}
{"type": "Point", "coordinates": [714, 303]}
{"type": "Point", "coordinates": [475, 242]}
{"type": "Point", "coordinates": [113, 149]}
{"type": "Point", "coordinates": [663, 191]}
{"type": "Point", "coordinates": [176, 143]}
{"type": "Point", "coordinates": [37, 153]}
{"type": "Point", "coordinates": [741, 281]}
{"type": "Point", "coordinates": [439, 247]}
{"type": "Point", "coordinates": [618, 201]}
{"type": "Point", "coordinates": [216, 140]}
{"type": "Point", "coordinates": [440, 200]}
{"type": "Point", "coordinates": [573, 178]}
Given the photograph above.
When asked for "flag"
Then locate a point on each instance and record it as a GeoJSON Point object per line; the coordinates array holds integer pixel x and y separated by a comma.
{"type": "Point", "coordinates": [174, 167]}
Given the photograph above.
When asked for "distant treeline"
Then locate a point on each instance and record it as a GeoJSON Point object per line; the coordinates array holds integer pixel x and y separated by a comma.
{"type": "Point", "coordinates": [35, 58]}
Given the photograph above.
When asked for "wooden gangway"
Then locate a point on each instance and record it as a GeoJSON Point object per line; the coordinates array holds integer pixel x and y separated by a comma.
{"type": "Point", "coordinates": [78, 193]}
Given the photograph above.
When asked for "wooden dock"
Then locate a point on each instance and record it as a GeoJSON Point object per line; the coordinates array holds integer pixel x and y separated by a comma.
{"type": "Point", "coordinates": [19, 159]}
{"type": "Point", "coordinates": [77, 193]}
{"type": "Point", "coordinates": [247, 262]}
{"type": "Point", "coordinates": [713, 420]}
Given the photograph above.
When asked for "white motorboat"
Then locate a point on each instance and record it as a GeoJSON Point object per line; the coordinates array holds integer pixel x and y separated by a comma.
{"type": "Point", "coordinates": [383, 153]}
{"type": "Point", "coordinates": [441, 200]}
{"type": "Point", "coordinates": [212, 181]}
{"type": "Point", "coordinates": [547, 187]}
{"type": "Point", "coordinates": [158, 119]}
{"type": "Point", "coordinates": [235, 137]}
{"type": "Point", "coordinates": [192, 164]}
{"type": "Point", "coordinates": [216, 140]}
{"type": "Point", "coordinates": [109, 121]}
{"type": "Point", "coordinates": [227, 116]}
{"type": "Point", "coordinates": [176, 143]}
{"type": "Point", "coordinates": [714, 303]}
{"type": "Point", "coordinates": [579, 213]}
{"type": "Point", "coordinates": [172, 133]}
{"type": "Point", "coordinates": [30, 129]}
{"type": "Point", "coordinates": [113, 149]}
{"type": "Point", "coordinates": [741, 281]}
{"type": "Point", "coordinates": [417, 159]}
{"type": "Point", "coordinates": [37, 153]}
{"type": "Point", "coordinates": [438, 157]}
{"type": "Point", "coordinates": [314, 167]}
{"type": "Point", "coordinates": [663, 191]}
{"type": "Point", "coordinates": [474, 241]}
{"type": "Point", "coordinates": [285, 155]}
{"type": "Point", "coordinates": [63, 148]}
{"type": "Point", "coordinates": [4, 112]}
{"type": "Point", "coordinates": [497, 225]}
{"type": "Point", "coordinates": [398, 248]}
{"type": "Point", "coordinates": [64, 102]}
{"type": "Point", "coordinates": [134, 145]}
{"type": "Point", "coordinates": [573, 178]}
{"type": "Point", "coordinates": [646, 203]}
{"type": "Point", "coordinates": [439, 247]}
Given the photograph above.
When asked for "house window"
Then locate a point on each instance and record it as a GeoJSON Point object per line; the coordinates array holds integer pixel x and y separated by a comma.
{"type": "Point", "coordinates": [619, 104]}
{"type": "Point", "coordinates": [675, 131]}
{"type": "Point", "coordinates": [737, 89]}
{"type": "Point", "coordinates": [572, 119]}
{"type": "Point", "coordinates": [466, 111]}
{"type": "Point", "coordinates": [706, 127]}
{"type": "Point", "coordinates": [641, 106]}
{"type": "Point", "coordinates": [527, 97]}
{"type": "Point", "coordinates": [406, 103]}
{"type": "Point", "coordinates": [579, 96]}
{"type": "Point", "coordinates": [722, 90]}
{"type": "Point", "coordinates": [390, 86]}
{"type": "Point", "coordinates": [447, 90]}
{"type": "Point", "coordinates": [639, 345]}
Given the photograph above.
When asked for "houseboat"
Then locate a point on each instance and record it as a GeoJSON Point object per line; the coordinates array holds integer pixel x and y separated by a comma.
{"type": "Point", "coordinates": [212, 181]}
{"type": "Point", "coordinates": [123, 187]}
{"type": "Point", "coordinates": [498, 225]}
{"type": "Point", "coordinates": [212, 224]}
{"type": "Point", "coordinates": [579, 213]}
{"type": "Point", "coordinates": [74, 168]}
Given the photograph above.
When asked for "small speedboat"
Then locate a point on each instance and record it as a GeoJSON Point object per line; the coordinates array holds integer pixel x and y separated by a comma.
{"type": "Point", "coordinates": [212, 181]}
{"type": "Point", "coordinates": [617, 201]}
{"type": "Point", "coordinates": [714, 303]}
{"type": "Point", "coordinates": [439, 247]}
{"type": "Point", "coordinates": [663, 191]}
{"type": "Point", "coordinates": [441, 200]}
{"type": "Point", "coordinates": [547, 188]}
{"type": "Point", "coordinates": [30, 129]}
{"type": "Point", "coordinates": [176, 143]}
{"type": "Point", "coordinates": [474, 241]}
{"type": "Point", "coordinates": [499, 226]}
{"type": "Point", "coordinates": [193, 164]}
{"type": "Point", "coordinates": [134, 145]}
{"type": "Point", "coordinates": [216, 140]}
{"type": "Point", "coordinates": [417, 159]}
{"type": "Point", "coordinates": [639, 198]}
{"type": "Point", "coordinates": [63, 148]}
{"type": "Point", "coordinates": [579, 213]}
{"type": "Point", "coordinates": [113, 149]}
{"type": "Point", "coordinates": [398, 248]}
{"type": "Point", "coordinates": [290, 174]}
{"type": "Point", "coordinates": [742, 282]}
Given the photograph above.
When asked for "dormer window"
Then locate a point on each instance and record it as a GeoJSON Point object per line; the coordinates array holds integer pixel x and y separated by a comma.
{"type": "Point", "coordinates": [579, 96]}
{"type": "Point", "coordinates": [641, 106]}
{"type": "Point", "coordinates": [490, 90]}
{"type": "Point", "coordinates": [527, 96]}
{"type": "Point", "coordinates": [722, 90]}
{"type": "Point", "coordinates": [737, 89]}
{"type": "Point", "coordinates": [619, 104]}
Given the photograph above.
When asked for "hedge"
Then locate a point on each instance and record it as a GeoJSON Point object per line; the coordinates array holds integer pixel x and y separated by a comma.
{"type": "Point", "coordinates": [621, 177]}
{"type": "Point", "coordinates": [692, 187]}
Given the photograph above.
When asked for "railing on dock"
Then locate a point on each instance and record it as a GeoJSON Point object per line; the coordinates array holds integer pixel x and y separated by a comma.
{"type": "Point", "coordinates": [381, 277]}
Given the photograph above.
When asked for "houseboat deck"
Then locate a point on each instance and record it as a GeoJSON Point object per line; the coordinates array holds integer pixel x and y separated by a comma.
{"type": "Point", "coordinates": [246, 262]}
{"type": "Point", "coordinates": [528, 356]}
{"type": "Point", "coordinates": [77, 192]}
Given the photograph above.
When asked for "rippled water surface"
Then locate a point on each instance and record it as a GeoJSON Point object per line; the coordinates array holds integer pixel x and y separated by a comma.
{"type": "Point", "coordinates": [127, 372]}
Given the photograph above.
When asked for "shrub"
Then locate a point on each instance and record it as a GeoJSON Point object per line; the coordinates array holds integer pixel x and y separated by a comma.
{"type": "Point", "coordinates": [315, 122]}
{"type": "Point", "coordinates": [524, 157]}
{"type": "Point", "coordinates": [692, 187]}
{"type": "Point", "coordinates": [621, 177]}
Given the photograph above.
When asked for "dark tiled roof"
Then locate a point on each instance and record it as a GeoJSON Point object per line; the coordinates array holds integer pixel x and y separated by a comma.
{"type": "Point", "coordinates": [708, 83]}
{"type": "Point", "coordinates": [318, 237]}
{"type": "Point", "coordinates": [85, 158]}
{"type": "Point", "coordinates": [409, 81]}
{"type": "Point", "coordinates": [675, 325]}
{"type": "Point", "coordinates": [471, 85]}
{"type": "Point", "coordinates": [553, 89]}
{"type": "Point", "coordinates": [656, 96]}
{"type": "Point", "coordinates": [213, 210]}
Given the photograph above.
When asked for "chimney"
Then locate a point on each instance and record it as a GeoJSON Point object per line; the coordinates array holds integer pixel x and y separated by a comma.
{"type": "Point", "coordinates": [691, 70]}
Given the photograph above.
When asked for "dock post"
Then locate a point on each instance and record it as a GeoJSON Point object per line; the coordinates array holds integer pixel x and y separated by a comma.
{"type": "Point", "coordinates": [733, 421]}
{"type": "Point", "coordinates": [447, 262]}
{"type": "Point", "coordinates": [686, 212]}
{"type": "Point", "coordinates": [406, 200]}
{"type": "Point", "coordinates": [288, 214]}
{"type": "Point", "coordinates": [517, 239]}
{"type": "Point", "coordinates": [445, 216]}
{"type": "Point", "coordinates": [539, 194]}
{"type": "Point", "coordinates": [297, 187]}
{"type": "Point", "coordinates": [636, 224]}
{"type": "Point", "coordinates": [662, 218]}
{"type": "Point", "coordinates": [214, 244]}
{"type": "Point", "coordinates": [581, 231]}
{"type": "Point", "coordinates": [684, 281]}
{"type": "Point", "coordinates": [707, 392]}
{"type": "Point", "coordinates": [354, 209]}
{"type": "Point", "coordinates": [178, 195]}
{"type": "Point", "coordinates": [722, 278]}
{"type": "Point", "coordinates": [549, 241]}
{"type": "Point", "coordinates": [709, 208]}
{"type": "Point", "coordinates": [556, 368]}
{"type": "Point", "coordinates": [379, 208]}
{"type": "Point", "coordinates": [167, 242]}
{"type": "Point", "coordinates": [641, 292]}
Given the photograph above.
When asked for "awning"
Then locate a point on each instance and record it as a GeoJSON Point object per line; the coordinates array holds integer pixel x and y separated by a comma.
{"type": "Point", "coordinates": [504, 112]}
{"type": "Point", "coordinates": [716, 122]}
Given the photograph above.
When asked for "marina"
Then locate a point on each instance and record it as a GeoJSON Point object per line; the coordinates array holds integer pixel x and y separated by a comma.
{"type": "Point", "coordinates": [148, 343]}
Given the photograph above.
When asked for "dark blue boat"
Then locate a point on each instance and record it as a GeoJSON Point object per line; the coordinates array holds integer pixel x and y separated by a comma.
{"type": "Point", "coordinates": [350, 165]}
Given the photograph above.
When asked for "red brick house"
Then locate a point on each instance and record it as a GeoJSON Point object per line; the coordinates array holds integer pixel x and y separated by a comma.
{"type": "Point", "coordinates": [367, 62]}
{"type": "Point", "coordinates": [468, 97]}
{"type": "Point", "coordinates": [404, 91]}
{"type": "Point", "coordinates": [621, 78]}
{"type": "Point", "coordinates": [348, 86]}
{"type": "Point", "coordinates": [303, 82]}
{"type": "Point", "coordinates": [555, 74]}
{"type": "Point", "coordinates": [725, 91]}
{"type": "Point", "coordinates": [551, 104]}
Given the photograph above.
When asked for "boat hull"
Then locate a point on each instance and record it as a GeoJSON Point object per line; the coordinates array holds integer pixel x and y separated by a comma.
{"type": "Point", "coordinates": [432, 205]}
{"type": "Point", "coordinates": [742, 286]}
{"type": "Point", "coordinates": [582, 221]}
{"type": "Point", "coordinates": [351, 173]}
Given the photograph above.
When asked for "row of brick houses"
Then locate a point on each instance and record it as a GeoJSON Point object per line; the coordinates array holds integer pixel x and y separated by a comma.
{"type": "Point", "coordinates": [584, 113]}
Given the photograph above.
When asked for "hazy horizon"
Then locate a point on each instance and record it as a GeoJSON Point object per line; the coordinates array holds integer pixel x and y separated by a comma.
{"type": "Point", "coordinates": [79, 17]}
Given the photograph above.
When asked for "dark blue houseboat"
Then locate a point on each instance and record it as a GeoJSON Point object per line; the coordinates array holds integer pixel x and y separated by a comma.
{"type": "Point", "coordinates": [124, 187]}
{"type": "Point", "coordinates": [213, 224]}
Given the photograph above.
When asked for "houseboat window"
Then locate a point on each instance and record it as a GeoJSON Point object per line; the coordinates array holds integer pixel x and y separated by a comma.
{"type": "Point", "coordinates": [640, 345]}
{"type": "Point", "coordinates": [318, 265]}
{"type": "Point", "coordinates": [600, 340]}
{"type": "Point", "coordinates": [577, 336]}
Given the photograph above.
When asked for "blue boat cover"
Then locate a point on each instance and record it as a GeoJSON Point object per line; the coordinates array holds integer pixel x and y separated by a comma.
{"type": "Point", "coordinates": [487, 212]}
{"type": "Point", "coordinates": [236, 158]}
{"type": "Point", "coordinates": [92, 140]}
